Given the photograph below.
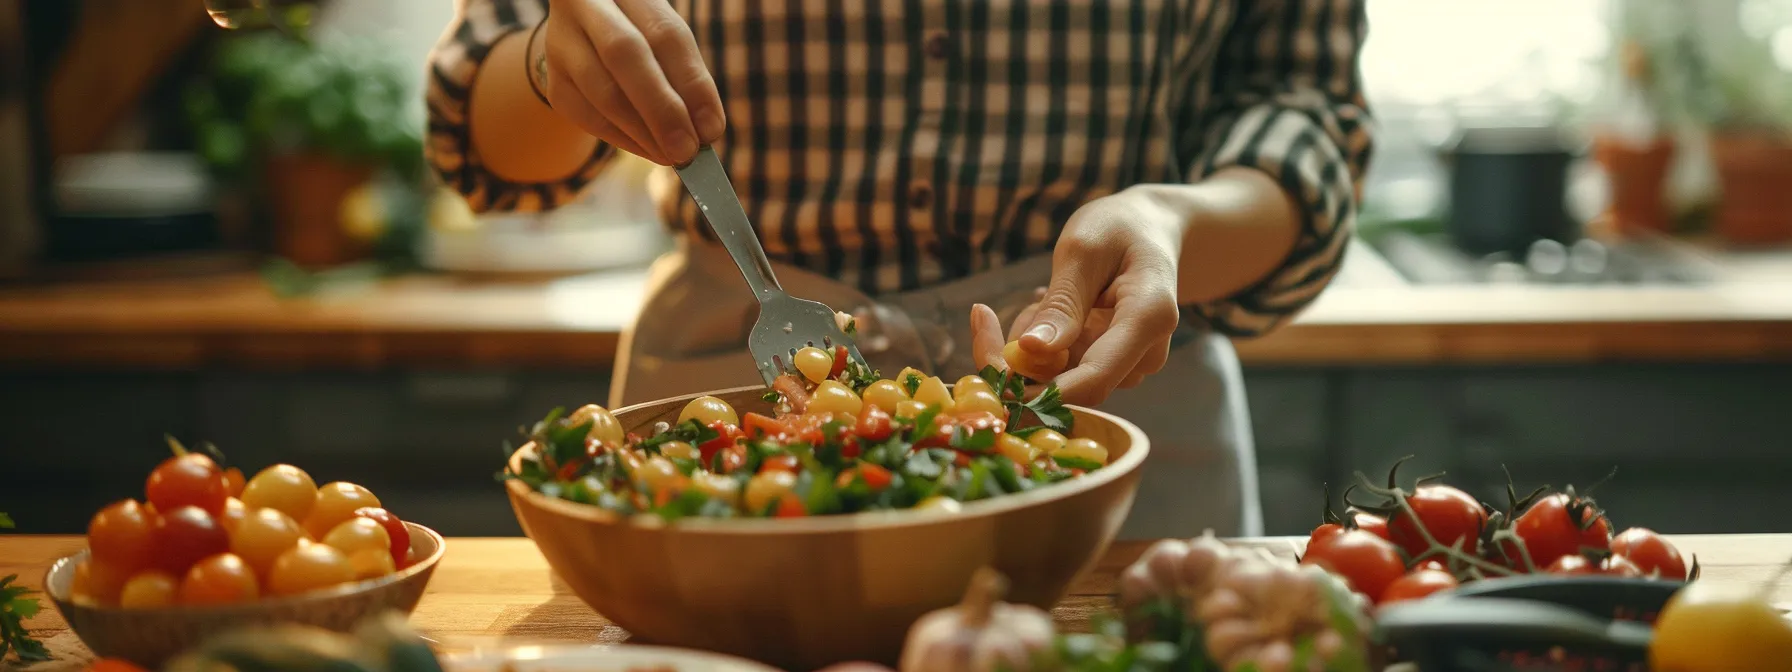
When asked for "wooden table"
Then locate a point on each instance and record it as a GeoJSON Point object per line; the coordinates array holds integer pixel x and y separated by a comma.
{"type": "Point", "coordinates": [501, 588]}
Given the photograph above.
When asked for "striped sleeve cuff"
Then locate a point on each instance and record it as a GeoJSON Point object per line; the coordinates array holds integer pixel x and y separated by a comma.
{"type": "Point", "coordinates": [453, 64]}
{"type": "Point", "coordinates": [1306, 153]}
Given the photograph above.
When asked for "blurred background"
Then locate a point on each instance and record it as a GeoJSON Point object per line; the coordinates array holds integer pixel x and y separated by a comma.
{"type": "Point", "coordinates": [1574, 254]}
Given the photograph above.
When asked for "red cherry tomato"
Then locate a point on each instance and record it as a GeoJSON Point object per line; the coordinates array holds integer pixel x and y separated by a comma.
{"type": "Point", "coordinates": [840, 356]}
{"type": "Point", "coordinates": [873, 425]}
{"type": "Point", "coordinates": [790, 507]}
{"type": "Point", "coordinates": [725, 436]}
{"type": "Point", "coordinates": [943, 429]}
{"type": "Point", "coordinates": [1323, 534]}
{"type": "Point", "coordinates": [1372, 524]}
{"type": "Point", "coordinates": [1417, 584]}
{"type": "Point", "coordinates": [1651, 554]}
{"type": "Point", "coordinates": [1558, 526]}
{"type": "Point", "coordinates": [123, 535]}
{"type": "Point", "coordinates": [1577, 564]}
{"type": "Point", "coordinates": [733, 459]}
{"type": "Point", "coordinates": [1368, 562]}
{"type": "Point", "coordinates": [187, 480]}
{"type": "Point", "coordinates": [234, 482]}
{"type": "Point", "coordinates": [395, 530]}
{"type": "Point", "coordinates": [977, 421]}
{"type": "Point", "coordinates": [1449, 514]}
{"type": "Point", "coordinates": [185, 536]}
{"type": "Point", "coordinates": [875, 476]}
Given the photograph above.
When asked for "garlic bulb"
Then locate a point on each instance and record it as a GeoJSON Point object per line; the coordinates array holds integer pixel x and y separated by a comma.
{"type": "Point", "coordinates": [981, 634]}
{"type": "Point", "coordinates": [1254, 609]}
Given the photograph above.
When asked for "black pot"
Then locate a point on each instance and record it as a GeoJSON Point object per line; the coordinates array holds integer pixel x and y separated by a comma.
{"type": "Point", "coordinates": [1508, 189]}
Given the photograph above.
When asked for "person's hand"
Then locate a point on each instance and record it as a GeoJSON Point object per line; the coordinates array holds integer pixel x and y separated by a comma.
{"type": "Point", "coordinates": [1111, 304]}
{"type": "Point", "coordinates": [628, 72]}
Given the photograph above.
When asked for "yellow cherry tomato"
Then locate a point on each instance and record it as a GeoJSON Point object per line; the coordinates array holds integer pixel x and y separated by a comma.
{"type": "Point", "coordinates": [708, 410]}
{"type": "Point", "coordinates": [309, 566]}
{"type": "Point", "coordinates": [604, 426]}
{"type": "Point", "coordinates": [939, 503]}
{"type": "Point", "coordinates": [337, 502]}
{"type": "Point", "coordinates": [933, 393]}
{"type": "Point", "coordinates": [767, 487]}
{"type": "Point", "coordinates": [220, 579]}
{"type": "Point", "coordinates": [979, 401]}
{"type": "Point", "coordinates": [885, 394]}
{"type": "Point", "coordinates": [262, 536]}
{"type": "Point", "coordinates": [1016, 448]}
{"type": "Point", "coordinates": [680, 450]}
{"type": "Point", "coordinates": [832, 397]}
{"type": "Point", "coordinates": [1033, 366]}
{"type": "Point", "coordinates": [657, 473]}
{"type": "Point", "coordinates": [910, 408]}
{"type": "Point", "coordinates": [284, 487]}
{"type": "Point", "coordinates": [1083, 449]}
{"type": "Point", "coordinates": [969, 384]}
{"type": "Point", "coordinates": [814, 363]}
{"type": "Point", "coordinates": [358, 533]}
{"type": "Point", "coordinates": [147, 590]}
{"type": "Point", "coordinates": [1709, 627]}
{"type": "Point", "coordinates": [371, 563]}
{"type": "Point", "coordinates": [908, 374]}
{"type": "Point", "coordinates": [717, 486]}
{"type": "Point", "coordinates": [1047, 441]}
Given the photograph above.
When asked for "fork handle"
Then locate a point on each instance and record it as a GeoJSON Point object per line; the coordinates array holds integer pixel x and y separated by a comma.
{"type": "Point", "coordinates": [708, 184]}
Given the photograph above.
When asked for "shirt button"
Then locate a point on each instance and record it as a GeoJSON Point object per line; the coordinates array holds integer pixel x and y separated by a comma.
{"type": "Point", "coordinates": [920, 196]}
{"type": "Point", "coordinates": [938, 46]}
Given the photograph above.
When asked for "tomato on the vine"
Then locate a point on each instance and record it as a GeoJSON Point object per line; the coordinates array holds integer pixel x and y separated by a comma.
{"type": "Point", "coordinates": [1368, 562]}
{"type": "Point", "coordinates": [1419, 583]}
{"type": "Point", "coordinates": [1616, 565]}
{"type": "Point", "coordinates": [1560, 525]}
{"type": "Point", "coordinates": [187, 480]}
{"type": "Point", "coordinates": [1326, 532]}
{"type": "Point", "coordinates": [1450, 515]}
{"type": "Point", "coordinates": [1651, 554]}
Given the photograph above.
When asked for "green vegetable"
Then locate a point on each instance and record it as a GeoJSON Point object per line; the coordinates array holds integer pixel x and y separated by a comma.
{"type": "Point", "coordinates": [16, 607]}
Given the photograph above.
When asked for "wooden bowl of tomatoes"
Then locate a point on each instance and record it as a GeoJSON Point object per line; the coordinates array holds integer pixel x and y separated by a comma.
{"type": "Point", "coordinates": [801, 588]}
{"type": "Point", "coordinates": [207, 551]}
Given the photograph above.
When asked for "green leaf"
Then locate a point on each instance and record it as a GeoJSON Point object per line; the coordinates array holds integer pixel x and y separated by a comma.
{"type": "Point", "coordinates": [979, 441]}
{"type": "Point", "coordinates": [1049, 408]}
{"type": "Point", "coordinates": [6, 522]}
{"type": "Point", "coordinates": [1076, 463]}
{"type": "Point", "coordinates": [911, 382]}
{"type": "Point", "coordinates": [771, 397]}
{"type": "Point", "coordinates": [923, 423]}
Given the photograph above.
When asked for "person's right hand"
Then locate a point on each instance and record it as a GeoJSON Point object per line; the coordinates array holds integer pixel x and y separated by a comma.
{"type": "Point", "coordinates": [628, 72]}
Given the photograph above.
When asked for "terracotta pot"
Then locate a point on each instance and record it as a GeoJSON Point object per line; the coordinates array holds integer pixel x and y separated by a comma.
{"type": "Point", "coordinates": [1638, 177]}
{"type": "Point", "coordinates": [1755, 174]}
{"type": "Point", "coordinates": [305, 193]}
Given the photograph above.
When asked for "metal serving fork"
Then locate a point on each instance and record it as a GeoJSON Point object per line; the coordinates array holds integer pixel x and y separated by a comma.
{"type": "Point", "coordinates": [785, 322]}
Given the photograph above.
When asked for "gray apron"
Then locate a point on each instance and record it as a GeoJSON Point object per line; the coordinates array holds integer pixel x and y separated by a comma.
{"type": "Point", "coordinates": [1201, 474]}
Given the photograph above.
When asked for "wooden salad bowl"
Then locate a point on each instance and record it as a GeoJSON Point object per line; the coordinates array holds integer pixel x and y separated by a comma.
{"type": "Point", "coordinates": [802, 593]}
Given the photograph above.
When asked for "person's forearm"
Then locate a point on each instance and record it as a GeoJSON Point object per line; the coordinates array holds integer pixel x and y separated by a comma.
{"type": "Point", "coordinates": [517, 137]}
{"type": "Point", "coordinates": [1239, 226]}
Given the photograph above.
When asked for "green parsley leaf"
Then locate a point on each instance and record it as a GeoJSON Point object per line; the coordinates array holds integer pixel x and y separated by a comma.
{"type": "Point", "coordinates": [852, 326]}
{"type": "Point", "coordinates": [1076, 463]}
{"type": "Point", "coordinates": [1049, 408]}
{"type": "Point", "coordinates": [979, 441]}
{"type": "Point", "coordinates": [923, 423]}
{"type": "Point", "coordinates": [771, 397]}
{"type": "Point", "coordinates": [690, 431]}
{"type": "Point", "coordinates": [911, 382]}
{"type": "Point", "coordinates": [16, 606]}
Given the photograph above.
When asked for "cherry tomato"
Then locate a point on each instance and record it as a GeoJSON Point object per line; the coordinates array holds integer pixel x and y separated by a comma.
{"type": "Point", "coordinates": [725, 435]}
{"type": "Point", "coordinates": [1368, 562]}
{"type": "Point", "coordinates": [234, 513]}
{"type": "Point", "coordinates": [219, 579]}
{"type": "Point", "coordinates": [787, 463]}
{"type": "Point", "coordinates": [187, 535]}
{"type": "Point", "coordinates": [874, 424]}
{"type": "Point", "coordinates": [1651, 554]}
{"type": "Point", "coordinates": [1718, 627]}
{"type": "Point", "coordinates": [1372, 524]}
{"type": "Point", "coordinates": [123, 535]}
{"type": "Point", "coordinates": [943, 430]}
{"type": "Point", "coordinates": [284, 487]}
{"type": "Point", "coordinates": [875, 476]}
{"type": "Point", "coordinates": [1417, 584]}
{"type": "Point", "coordinates": [1577, 564]}
{"type": "Point", "coordinates": [1432, 564]}
{"type": "Point", "coordinates": [187, 480]}
{"type": "Point", "coordinates": [148, 590]}
{"type": "Point", "coordinates": [789, 506]}
{"type": "Point", "coordinates": [839, 367]}
{"type": "Point", "coordinates": [263, 536]}
{"type": "Point", "coordinates": [1447, 513]}
{"type": "Point", "coordinates": [976, 421]}
{"type": "Point", "coordinates": [98, 583]}
{"type": "Point", "coordinates": [336, 502]}
{"type": "Point", "coordinates": [1323, 534]}
{"type": "Point", "coordinates": [309, 566]}
{"type": "Point", "coordinates": [371, 563]}
{"type": "Point", "coordinates": [396, 531]}
{"type": "Point", "coordinates": [358, 534]}
{"type": "Point", "coordinates": [733, 459]}
{"type": "Point", "coordinates": [113, 665]}
{"type": "Point", "coordinates": [234, 482]}
{"type": "Point", "coordinates": [1558, 526]}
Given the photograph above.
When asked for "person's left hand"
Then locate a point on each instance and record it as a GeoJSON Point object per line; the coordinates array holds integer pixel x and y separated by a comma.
{"type": "Point", "coordinates": [1111, 305]}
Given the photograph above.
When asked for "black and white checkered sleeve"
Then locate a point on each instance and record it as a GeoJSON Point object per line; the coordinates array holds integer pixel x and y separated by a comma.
{"type": "Point", "coordinates": [1287, 100]}
{"type": "Point", "coordinates": [453, 64]}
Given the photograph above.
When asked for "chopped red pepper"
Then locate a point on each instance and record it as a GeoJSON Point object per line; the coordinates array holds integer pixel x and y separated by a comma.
{"type": "Point", "coordinates": [725, 437]}
{"type": "Point", "coordinates": [790, 507]}
{"type": "Point", "coordinates": [875, 476]}
{"type": "Point", "coordinates": [839, 362]}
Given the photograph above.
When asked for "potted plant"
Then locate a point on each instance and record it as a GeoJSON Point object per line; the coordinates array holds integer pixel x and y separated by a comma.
{"type": "Point", "coordinates": [309, 127]}
{"type": "Point", "coordinates": [1746, 109]}
{"type": "Point", "coordinates": [1633, 135]}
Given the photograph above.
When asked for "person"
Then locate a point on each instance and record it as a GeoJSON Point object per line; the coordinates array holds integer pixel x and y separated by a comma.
{"type": "Point", "coordinates": [1131, 182]}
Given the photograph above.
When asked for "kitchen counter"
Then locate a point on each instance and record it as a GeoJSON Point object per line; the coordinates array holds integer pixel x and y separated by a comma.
{"type": "Point", "coordinates": [1369, 316]}
{"type": "Point", "coordinates": [501, 587]}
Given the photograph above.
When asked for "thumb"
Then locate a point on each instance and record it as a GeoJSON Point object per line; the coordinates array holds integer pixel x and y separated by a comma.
{"type": "Point", "coordinates": [1077, 280]}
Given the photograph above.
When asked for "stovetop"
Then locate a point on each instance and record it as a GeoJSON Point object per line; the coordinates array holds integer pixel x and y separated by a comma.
{"type": "Point", "coordinates": [1430, 259]}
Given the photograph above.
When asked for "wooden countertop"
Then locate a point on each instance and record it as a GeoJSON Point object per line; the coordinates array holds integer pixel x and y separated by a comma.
{"type": "Point", "coordinates": [442, 321]}
{"type": "Point", "coordinates": [487, 589]}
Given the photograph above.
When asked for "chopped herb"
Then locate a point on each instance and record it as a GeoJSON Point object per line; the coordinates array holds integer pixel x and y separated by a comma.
{"type": "Point", "coordinates": [1076, 463]}
{"type": "Point", "coordinates": [17, 606]}
{"type": "Point", "coordinates": [852, 326]}
{"type": "Point", "coordinates": [859, 375]}
{"type": "Point", "coordinates": [911, 382]}
{"type": "Point", "coordinates": [689, 431]}
{"type": "Point", "coordinates": [771, 397]}
{"type": "Point", "coordinates": [979, 441]}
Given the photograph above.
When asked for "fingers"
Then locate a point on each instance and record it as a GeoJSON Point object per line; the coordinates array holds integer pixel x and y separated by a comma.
{"type": "Point", "coordinates": [1151, 363]}
{"type": "Point", "coordinates": [621, 44]}
{"type": "Point", "coordinates": [1141, 329]}
{"type": "Point", "coordinates": [572, 60]}
{"type": "Point", "coordinates": [675, 48]}
{"type": "Point", "coordinates": [1025, 318]}
{"type": "Point", "coordinates": [986, 338]}
{"type": "Point", "coordinates": [564, 95]}
{"type": "Point", "coordinates": [1079, 275]}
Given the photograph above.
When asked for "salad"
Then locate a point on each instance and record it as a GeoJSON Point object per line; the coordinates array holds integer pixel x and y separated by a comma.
{"type": "Point", "coordinates": [840, 438]}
